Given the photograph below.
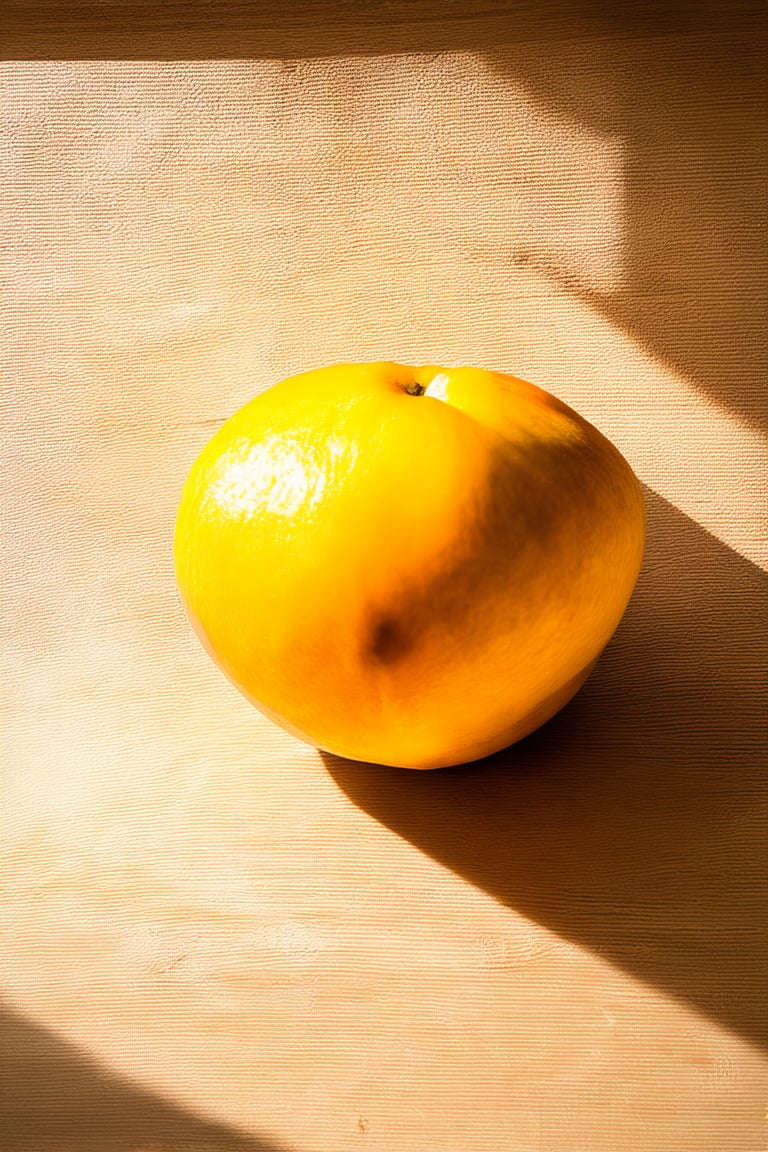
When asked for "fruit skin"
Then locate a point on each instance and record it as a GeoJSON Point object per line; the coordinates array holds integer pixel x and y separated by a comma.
{"type": "Point", "coordinates": [408, 566]}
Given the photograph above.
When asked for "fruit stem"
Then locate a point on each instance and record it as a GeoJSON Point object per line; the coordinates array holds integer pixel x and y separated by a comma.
{"type": "Point", "coordinates": [415, 389]}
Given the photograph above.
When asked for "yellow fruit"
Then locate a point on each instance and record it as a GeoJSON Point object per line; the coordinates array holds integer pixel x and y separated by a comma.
{"type": "Point", "coordinates": [408, 566]}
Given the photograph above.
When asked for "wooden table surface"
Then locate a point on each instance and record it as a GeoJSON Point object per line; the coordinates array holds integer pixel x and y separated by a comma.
{"type": "Point", "coordinates": [214, 937]}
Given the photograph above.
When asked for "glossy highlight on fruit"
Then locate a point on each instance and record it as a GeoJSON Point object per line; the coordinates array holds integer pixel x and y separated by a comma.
{"type": "Point", "coordinates": [408, 566]}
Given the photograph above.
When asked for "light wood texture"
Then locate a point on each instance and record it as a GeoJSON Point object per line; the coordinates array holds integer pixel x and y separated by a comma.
{"type": "Point", "coordinates": [214, 937]}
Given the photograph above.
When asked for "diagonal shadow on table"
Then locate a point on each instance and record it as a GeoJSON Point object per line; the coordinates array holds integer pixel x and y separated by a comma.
{"type": "Point", "coordinates": [680, 87]}
{"type": "Point", "coordinates": [54, 1098]}
{"type": "Point", "coordinates": [633, 823]}
{"type": "Point", "coordinates": [688, 115]}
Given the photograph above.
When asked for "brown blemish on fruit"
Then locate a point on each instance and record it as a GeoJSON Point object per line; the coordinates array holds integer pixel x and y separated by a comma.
{"type": "Point", "coordinates": [514, 505]}
{"type": "Point", "coordinates": [388, 640]}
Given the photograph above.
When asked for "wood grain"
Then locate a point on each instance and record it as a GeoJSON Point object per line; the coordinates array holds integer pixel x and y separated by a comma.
{"type": "Point", "coordinates": [215, 939]}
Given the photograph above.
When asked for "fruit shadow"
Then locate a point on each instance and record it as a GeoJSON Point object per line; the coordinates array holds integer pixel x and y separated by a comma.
{"type": "Point", "coordinates": [680, 89]}
{"type": "Point", "coordinates": [54, 1097]}
{"type": "Point", "coordinates": [633, 823]}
